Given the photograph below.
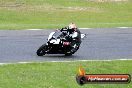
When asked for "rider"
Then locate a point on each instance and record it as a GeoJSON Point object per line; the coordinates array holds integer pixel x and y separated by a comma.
{"type": "Point", "coordinates": [75, 35]}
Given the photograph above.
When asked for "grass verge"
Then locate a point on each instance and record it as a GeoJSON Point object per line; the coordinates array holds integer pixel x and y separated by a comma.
{"type": "Point", "coordinates": [60, 74]}
{"type": "Point", "coordinates": [49, 14]}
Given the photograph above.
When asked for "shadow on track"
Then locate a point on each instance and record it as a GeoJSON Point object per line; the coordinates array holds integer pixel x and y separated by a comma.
{"type": "Point", "coordinates": [58, 56]}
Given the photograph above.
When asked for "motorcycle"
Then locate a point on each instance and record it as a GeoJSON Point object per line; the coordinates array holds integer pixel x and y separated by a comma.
{"type": "Point", "coordinates": [58, 43]}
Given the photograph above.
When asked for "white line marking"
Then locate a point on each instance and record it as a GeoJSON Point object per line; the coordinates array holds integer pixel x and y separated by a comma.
{"type": "Point", "coordinates": [78, 28]}
{"type": "Point", "coordinates": [84, 28]}
{"type": "Point", "coordinates": [89, 60]}
{"type": "Point", "coordinates": [124, 27]}
{"type": "Point", "coordinates": [5, 63]}
{"type": "Point", "coordinates": [24, 62]}
{"type": "Point", "coordinates": [34, 29]}
{"type": "Point", "coordinates": [123, 59]}
{"type": "Point", "coordinates": [60, 61]}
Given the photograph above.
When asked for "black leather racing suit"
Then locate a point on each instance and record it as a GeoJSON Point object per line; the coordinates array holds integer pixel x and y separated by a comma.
{"type": "Point", "coordinates": [75, 36]}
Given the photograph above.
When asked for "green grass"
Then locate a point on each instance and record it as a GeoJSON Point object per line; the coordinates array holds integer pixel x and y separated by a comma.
{"type": "Point", "coordinates": [52, 14]}
{"type": "Point", "coordinates": [60, 74]}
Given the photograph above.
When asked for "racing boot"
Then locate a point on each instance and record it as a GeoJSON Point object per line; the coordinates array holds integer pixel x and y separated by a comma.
{"type": "Point", "coordinates": [74, 49]}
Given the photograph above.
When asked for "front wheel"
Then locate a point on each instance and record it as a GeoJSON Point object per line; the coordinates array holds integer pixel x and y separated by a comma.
{"type": "Point", "coordinates": [42, 50]}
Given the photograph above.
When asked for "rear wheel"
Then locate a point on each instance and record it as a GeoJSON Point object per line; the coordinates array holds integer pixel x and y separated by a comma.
{"type": "Point", "coordinates": [42, 50]}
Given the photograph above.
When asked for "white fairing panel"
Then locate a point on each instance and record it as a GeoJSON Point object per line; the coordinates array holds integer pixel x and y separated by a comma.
{"type": "Point", "coordinates": [82, 36]}
{"type": "Point", "coordinates": [50, 35]}
{"type": "Point", "coordinates": [74, 35]}
{"type": "Point", "coordinates": [54, 41]}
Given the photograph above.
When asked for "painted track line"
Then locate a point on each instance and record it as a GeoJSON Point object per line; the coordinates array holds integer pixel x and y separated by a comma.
{"type": "Point", "coordinates": [124, 27]}
{"type": "Point", "coordinates": [80, 28]}
{"type": "Point", "coordinates": [63, 61]}
{"type": "Point", "coordinates": [34, 29]}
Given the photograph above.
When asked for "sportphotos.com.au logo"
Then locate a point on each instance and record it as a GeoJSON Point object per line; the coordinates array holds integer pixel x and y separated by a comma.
{"type": "Point", "coordinates": [83, 78]}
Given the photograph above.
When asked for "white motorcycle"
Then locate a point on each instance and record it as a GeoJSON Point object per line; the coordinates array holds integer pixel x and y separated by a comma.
{"type": "Point", "coordinates": [59, 43]}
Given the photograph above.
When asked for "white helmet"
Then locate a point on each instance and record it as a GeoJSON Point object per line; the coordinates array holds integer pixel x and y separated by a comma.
{"type": "Point", "coordinates": [72, 26]}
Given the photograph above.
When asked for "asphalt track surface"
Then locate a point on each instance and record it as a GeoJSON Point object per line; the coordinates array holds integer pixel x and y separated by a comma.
{"type": "Point", "coordinates": [99, 44]}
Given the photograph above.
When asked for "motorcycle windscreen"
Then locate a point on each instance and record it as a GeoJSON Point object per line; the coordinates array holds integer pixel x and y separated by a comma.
{"type": "Point", "coordinates": [50, 35]}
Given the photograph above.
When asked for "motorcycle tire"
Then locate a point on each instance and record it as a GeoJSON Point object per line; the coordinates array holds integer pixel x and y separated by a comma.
{"type": "Point", "coordinates": [41, 50]}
